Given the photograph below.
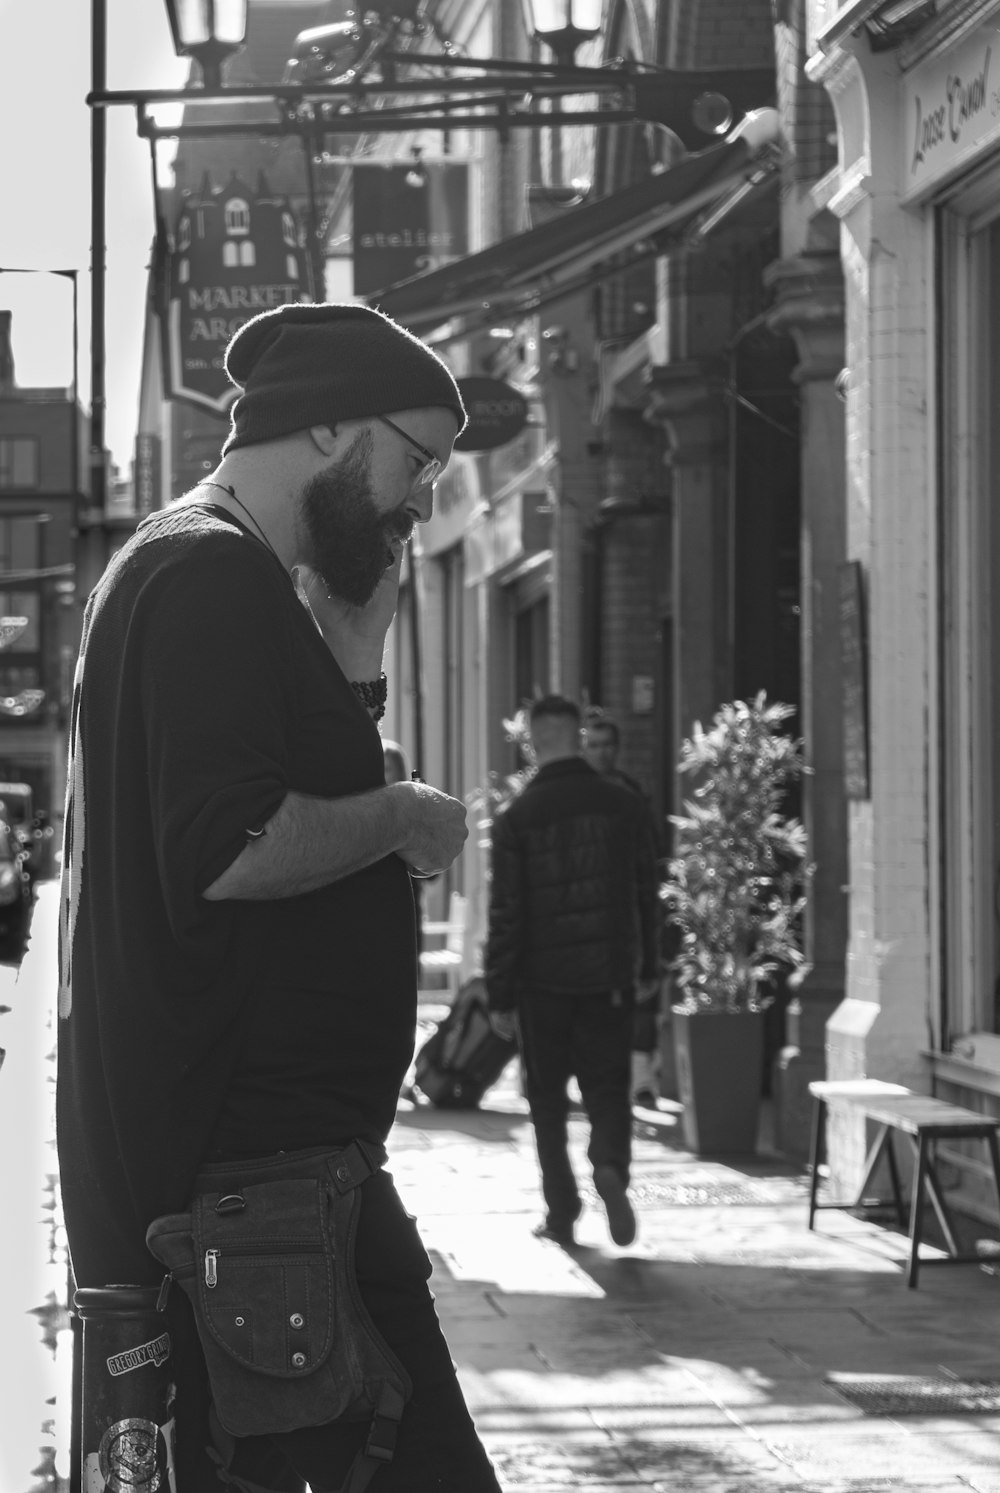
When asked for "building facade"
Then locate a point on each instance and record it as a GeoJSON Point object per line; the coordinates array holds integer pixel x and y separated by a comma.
{"type": "Point", "coordinates": [916, 191]}
{"type": "Point", "coordinates": [42, 455]}
{"type": "Point", "coordinates": [637, 547]}
{"type": "Point", "coordinates": [688, 514]}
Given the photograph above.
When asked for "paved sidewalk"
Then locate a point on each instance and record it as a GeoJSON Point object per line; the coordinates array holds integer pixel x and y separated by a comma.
{"type": "Point", "coordinates": [729, 1350]}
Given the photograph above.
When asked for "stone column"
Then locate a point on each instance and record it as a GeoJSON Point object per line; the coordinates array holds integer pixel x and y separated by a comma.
{"type": "Point", "coordinates": [810, 305]}
{"type": "Point", "coordinates": [880, 1028]}
{"type": "Point", "coordinates": [576, 482]}
{"type": "Point", "coordinates": [688, 399]}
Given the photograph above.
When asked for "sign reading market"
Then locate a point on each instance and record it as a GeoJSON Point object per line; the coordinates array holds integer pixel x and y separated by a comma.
{"type": "Point", "coordinates": [951, 110]}
{"type": "Point", "coordinates": [234, 253]}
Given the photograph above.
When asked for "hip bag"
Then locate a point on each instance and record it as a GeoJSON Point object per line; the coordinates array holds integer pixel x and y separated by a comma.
{"type": "Point", "coordinates": [268, 1266]}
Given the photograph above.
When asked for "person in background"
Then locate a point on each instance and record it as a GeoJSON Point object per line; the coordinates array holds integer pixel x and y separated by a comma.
{"type": "Point", "coordinates": [601, 745]}
{"type": "Point", "coordinates": [237, 954]}
{"type": "Point", "coordinates": [572, 936]}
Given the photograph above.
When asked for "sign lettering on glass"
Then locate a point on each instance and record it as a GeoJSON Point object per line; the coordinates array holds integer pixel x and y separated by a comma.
{"type": "Point", "coordinates": [407, 220]}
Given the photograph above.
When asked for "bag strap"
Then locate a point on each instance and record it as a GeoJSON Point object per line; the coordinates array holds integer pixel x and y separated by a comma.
{"type": "Point", "coordinates": [221, 1451]}
{"type": "Point", "coordinates": [378, 1450]}
{"type": "Point", "coordinates": [380, 1446]}
{"type": "Point", "coordinates": [355, 1164]}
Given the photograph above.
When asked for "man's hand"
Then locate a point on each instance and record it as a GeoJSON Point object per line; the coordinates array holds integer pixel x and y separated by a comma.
{"type": "Point", "coordinates": [504, 1023]}
{"type": "Point", "coordinates": [354, 635]}
{"type": "Point", "coordinates": [436, 827]}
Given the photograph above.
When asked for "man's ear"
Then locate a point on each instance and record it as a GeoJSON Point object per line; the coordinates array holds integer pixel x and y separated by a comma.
{"type": "Point", "coordinates": [325, 437]}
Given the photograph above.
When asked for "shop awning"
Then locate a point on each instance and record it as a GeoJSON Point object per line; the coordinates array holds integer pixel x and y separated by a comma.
{"type": "Point", "coordinates": [586, 243]}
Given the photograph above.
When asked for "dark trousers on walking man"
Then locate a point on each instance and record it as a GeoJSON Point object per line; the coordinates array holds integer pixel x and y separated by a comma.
{"type": "Point", "coordinates": [587, 1037]}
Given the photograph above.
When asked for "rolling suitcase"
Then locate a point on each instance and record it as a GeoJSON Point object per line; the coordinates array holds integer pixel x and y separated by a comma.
{"type": "Point", "coordinates": [463, 1057]}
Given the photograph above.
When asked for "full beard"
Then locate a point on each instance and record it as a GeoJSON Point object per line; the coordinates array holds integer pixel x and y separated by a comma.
{"type": "Point", "coordinates": [349, 539]}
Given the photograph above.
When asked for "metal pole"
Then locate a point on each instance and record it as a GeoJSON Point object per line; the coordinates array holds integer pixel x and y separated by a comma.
{"type": "Point", "coordinates": [127, 1429]}
{"type": "Point", "coordinates": [74, 429]}
{"type": "Point", "coordinates": [98, 272]}
{"type": "Point", "coordinates": [316, 256]}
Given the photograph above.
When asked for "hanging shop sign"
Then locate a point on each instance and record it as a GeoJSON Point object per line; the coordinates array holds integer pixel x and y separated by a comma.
{"type": "Point", "coordinates": [951, 110]}
{"type": "Point", "coordinates": [407, 220]}
{"type": "Point", "coordinates": [497, 413]}
{"type": "Point", "coordinates": [233, 253]}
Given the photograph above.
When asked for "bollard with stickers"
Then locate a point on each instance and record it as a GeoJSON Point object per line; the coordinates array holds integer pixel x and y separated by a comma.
{"type": "Point", "coordinates": [126, 1424]}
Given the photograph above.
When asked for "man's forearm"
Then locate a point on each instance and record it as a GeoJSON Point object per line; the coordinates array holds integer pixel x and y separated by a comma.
{"type": "Point", "coordinates": [310, 842]}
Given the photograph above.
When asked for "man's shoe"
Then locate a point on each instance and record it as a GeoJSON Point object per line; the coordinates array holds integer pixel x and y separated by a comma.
{"type": "Point", "coordinates": [561, 1233]}
{"type": "Point", "coordinates": [612, 1193]}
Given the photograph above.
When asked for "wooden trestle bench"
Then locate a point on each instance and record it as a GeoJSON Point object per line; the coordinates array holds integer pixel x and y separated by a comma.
{"type": "Point", "coordinates": [924, 1121]}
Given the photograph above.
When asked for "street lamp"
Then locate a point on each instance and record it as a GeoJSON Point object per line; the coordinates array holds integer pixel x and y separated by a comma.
{"type": "Point", "coordinates": [553, 22]}
{"type": "Point", "coordinates": [209, 31]}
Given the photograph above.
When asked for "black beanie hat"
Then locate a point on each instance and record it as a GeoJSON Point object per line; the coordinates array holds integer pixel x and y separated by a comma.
{"type": "Point", "coordinates": [303, 364]}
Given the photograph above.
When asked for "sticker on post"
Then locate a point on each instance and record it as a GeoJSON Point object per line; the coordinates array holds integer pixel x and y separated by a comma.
{"type": "Point", "coordinates": [156, 1351]}
{"type": "Point", "coordinates": [129, 1457]}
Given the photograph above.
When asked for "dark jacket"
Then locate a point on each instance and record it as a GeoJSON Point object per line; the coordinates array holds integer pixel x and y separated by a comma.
{"type": "Point", "coordinates": [573, 903]}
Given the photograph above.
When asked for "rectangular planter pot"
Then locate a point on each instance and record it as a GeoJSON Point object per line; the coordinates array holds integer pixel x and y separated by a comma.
{"type": "Point", "coordinates": [719, 1058]}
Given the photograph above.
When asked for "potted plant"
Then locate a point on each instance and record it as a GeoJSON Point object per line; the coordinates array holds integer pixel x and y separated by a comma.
{"type": "Point", "coordinates": [734, 892]}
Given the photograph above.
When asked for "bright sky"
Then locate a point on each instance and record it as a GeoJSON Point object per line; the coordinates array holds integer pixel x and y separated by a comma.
{"type": "Point", "coordinates": [45, 190]}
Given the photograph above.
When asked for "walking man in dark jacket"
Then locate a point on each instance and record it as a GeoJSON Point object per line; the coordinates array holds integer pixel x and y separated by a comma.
{"type": "Point", "coordinates": [573, 933]}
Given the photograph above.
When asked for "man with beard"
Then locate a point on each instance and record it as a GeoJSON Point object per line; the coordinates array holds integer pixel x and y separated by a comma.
{"type": "Point", "coordinates": [238, 957]}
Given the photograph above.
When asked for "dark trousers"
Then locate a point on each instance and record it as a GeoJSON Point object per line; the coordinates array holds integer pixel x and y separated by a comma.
{"type": "Point", "coordinates": [438, 1450]}
{"type": "Point", "coordinates": [588, 1037]}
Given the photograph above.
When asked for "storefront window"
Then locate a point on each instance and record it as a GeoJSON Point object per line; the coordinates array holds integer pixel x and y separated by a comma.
{"type": "Point", "coordinates": [969, 577]}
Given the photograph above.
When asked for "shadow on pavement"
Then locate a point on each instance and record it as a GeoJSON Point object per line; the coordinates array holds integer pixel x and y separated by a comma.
{"type": "Point", "coordinates": [729, 1378]}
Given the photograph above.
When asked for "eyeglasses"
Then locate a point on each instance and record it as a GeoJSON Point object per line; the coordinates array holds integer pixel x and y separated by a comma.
{"type": "Point", "coordinates": [427, 474]}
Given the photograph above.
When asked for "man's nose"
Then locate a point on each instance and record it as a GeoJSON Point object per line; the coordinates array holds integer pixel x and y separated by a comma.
{"type": "Point", "coordinates": [421, 503]}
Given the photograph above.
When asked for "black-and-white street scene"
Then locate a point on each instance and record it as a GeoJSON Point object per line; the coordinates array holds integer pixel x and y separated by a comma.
{"type": "Point", "coordinates": [500, 746]}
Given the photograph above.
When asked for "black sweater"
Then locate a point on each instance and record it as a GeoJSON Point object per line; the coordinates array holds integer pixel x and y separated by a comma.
{"type": "Point", "coordinates": [573, 902]}
{"type": "Point", "coordinates": [190, 1027]}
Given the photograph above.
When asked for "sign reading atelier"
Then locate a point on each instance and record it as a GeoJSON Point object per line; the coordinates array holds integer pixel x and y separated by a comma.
{"type": "Point", "coordinates": [407, 220]}
{"type": "Point", "coordinates": [234, 253]}
{"type": "Point", "coordinates": [497, 413]}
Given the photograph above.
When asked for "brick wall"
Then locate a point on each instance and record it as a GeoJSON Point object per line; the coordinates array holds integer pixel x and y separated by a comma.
{"type": "Point", "coordinates": [719, 33]}
{"type": "Point", "coordinates": [807, 118]}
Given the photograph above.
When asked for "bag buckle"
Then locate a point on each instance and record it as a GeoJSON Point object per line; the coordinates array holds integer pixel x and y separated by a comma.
{"type": "Point", "coordinates": [232, 1202]}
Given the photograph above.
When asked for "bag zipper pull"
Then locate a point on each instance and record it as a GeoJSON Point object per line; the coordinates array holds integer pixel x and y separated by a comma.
{"type": "Point", "coordinates": [211, 1270]}
{"type": "Point", "coordinates": [165, 1284]}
